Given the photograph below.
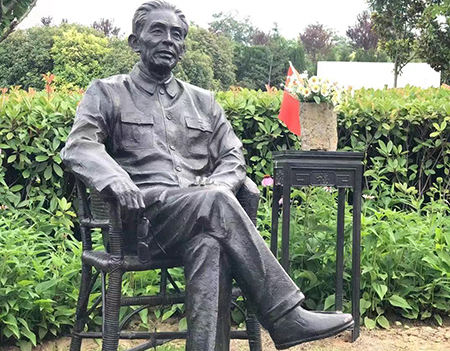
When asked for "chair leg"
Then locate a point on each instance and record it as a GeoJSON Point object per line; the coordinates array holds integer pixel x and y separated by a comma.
{"type": "Point", "coordinates": [253, 331]}
{"type": "Point", "coordinates": [83, 300]}
{"type": "Point", "coordinates": [111, 312]}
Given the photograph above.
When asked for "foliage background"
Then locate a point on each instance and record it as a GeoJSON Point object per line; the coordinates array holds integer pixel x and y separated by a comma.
{"type": "Point", "coordinates": [405, 223]}
{"type": "Point", "coordinates": [231, 52]}
{"type": "Point", "coordinates": [404, 135]}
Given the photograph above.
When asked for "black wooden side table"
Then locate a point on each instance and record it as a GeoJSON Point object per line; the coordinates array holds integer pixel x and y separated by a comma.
{"type": "Point", "coordinates": [321, 168]}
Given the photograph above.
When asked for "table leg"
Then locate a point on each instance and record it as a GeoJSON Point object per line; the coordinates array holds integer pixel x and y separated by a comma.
{"type": "Point", "coordinates": [356, 254]}
{"type": "Point", "coordinates": [286, 225]}
{"type": "Point", "coordinates": [340, 250]}
{"type": "Point", "coordinates": [275, 217]}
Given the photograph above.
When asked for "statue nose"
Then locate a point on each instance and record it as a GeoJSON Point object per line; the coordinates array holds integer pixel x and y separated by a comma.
{"type": "Point", "coordinates": [168, 38]}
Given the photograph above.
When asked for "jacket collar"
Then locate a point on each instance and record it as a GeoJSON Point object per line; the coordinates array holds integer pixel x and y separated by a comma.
{"type": "Point", "coordinates": [148, 84]}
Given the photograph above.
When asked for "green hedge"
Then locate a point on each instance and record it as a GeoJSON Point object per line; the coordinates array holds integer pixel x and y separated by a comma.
{"type": "Point", "coordinates": [33, 129]}
{"type": "Point", "coordinates": [405, 261]}
{"type": "Point", "coordinates": [39, 275]}
{"type": "Point", "coordinates": [404, 134]}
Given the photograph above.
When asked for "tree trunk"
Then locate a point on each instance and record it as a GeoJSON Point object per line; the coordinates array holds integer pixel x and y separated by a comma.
{"type": "Point", "coordinates": [8, 30]}
{"type": "Point", "coordinates": [395, 71]}
{"type": "Point", "coordinates": [270, 71]}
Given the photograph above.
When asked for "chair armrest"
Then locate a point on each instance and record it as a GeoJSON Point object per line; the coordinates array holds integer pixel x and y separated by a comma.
{"type": "Point", "coordinates": [99, 211]}
{"type": "Point", "coordinates": [248, 197]}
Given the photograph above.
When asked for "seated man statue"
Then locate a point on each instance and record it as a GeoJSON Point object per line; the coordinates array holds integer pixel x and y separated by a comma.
{"type": "Point", "coordinates": [164, 148]}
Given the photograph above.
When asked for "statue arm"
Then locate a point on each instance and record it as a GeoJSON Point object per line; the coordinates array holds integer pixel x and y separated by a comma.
{"type": "Point", "coordinates": [226, 152]}
{"type": "Point", "coordinates": [85, 154]}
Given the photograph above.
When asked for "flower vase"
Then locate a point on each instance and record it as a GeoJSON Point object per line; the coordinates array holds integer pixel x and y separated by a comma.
{"type": "Point", "coordinates": [318, 126]}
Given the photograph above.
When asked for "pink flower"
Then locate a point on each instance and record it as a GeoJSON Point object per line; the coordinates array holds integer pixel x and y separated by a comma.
{"type": "Point", "coordinates": [267, 180]}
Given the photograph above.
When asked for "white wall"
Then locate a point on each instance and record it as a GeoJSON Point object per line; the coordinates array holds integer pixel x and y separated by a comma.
{"type": "Point", "coordinates": [378, 74]}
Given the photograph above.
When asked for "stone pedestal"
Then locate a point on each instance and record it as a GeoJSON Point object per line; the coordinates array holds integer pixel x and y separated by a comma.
{"type": "Point", "coordinates": [319, 126]}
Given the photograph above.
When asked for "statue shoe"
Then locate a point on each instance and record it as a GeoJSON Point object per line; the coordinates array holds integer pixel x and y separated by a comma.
{"type": "Point", "coordinates": [300, 325]}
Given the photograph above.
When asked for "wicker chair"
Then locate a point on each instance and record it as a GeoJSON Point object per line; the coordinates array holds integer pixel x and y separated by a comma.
{"type": "Point", "coordinates": [113, 263]}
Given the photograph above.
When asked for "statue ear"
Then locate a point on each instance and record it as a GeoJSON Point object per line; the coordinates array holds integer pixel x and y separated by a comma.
{"type": "Point", "coordinates": [183, 51]}
{"type": "Point", "coordinates": [134, 43]}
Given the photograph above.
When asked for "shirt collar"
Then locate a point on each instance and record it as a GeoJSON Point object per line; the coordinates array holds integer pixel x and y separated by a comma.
{"type": "Point", "coordinates": [145, 82]}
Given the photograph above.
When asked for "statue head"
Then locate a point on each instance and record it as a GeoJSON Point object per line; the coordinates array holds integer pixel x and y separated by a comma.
{"type": "Point", "coordinates": [159, 31]}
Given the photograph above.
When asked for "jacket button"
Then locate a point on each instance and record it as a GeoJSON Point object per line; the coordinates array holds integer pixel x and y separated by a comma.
{"type": "Point", "coordinates": [168, 116]}
{"type": "Point", "coordinates": [178, 168]}
{"type": "Point", "coordinates": [161, 91]}
{"type": "Point", "coordinates": [172, 147]}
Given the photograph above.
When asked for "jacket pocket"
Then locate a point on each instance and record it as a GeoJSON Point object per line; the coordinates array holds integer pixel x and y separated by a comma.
{"type": "Point", "coordinates": [199, 132]}
{"type": "Point", "coordinates": [137, 131]}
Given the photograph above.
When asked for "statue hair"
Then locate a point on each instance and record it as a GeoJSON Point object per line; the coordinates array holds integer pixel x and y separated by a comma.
{"type": "Point", "coordinates": [140, 16]}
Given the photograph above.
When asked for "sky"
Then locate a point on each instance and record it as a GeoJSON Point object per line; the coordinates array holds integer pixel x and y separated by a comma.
{"type": "Point", "coordinates": [292, 16]}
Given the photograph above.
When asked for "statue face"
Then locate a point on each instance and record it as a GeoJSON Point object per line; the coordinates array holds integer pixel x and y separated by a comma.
{"type": "Point", "coordinates": [161, 42]}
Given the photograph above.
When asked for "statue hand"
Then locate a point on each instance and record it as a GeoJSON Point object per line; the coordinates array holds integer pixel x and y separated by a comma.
{"type": "Point", "coordinates": [127, 193]}
{"type": "Point", "coordinates": [202, 181]}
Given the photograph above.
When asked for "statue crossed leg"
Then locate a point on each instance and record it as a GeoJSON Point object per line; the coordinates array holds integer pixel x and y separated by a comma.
{"type": "Point", "coordinates": [219, 242]}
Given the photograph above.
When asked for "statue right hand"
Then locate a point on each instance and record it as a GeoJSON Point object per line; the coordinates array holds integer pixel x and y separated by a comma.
{"type": "Point", "coordinates": [127, 193]}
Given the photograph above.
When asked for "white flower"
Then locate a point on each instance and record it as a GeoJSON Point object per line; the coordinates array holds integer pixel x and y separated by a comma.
{"type": "Point", "coordinates": [441, 20]}
{"type": "Point", "coordinates": [304, 75]}
{"type": "Point", "coordinates": [368, 197]}
{"type": "Point", "coordinates": [329, 189]}
{"type": "Point", "coordinates": [324, 91]}
{"type": "Point", "coordinates": [306, 92]}
{"type": "Point", "coordinates": [313, 80]}
{"type": "Point", "coordinates": [315, 88]}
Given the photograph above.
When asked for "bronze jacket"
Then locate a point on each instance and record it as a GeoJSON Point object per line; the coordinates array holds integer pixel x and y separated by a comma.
{"type": "Point", "coordinates": [158, 134]}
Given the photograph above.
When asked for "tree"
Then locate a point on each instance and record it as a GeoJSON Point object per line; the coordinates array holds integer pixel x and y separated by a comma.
{"type": "Point", "coordinates": [259, 65]}
{"type": "Point", "coordinates": [196, 68]}
{"type": "Point", "coordinates": [341, 50]}
{"type": "Point", "coordinates": [12, 12]}
{"type": "Point", "coordinates": [317, 41]}
{"type": "Point", "coordinates": [227, 24]}
{"type": "Point", "coordinates": [46, 21]}
{"type": "Point", "coordinates": [362, 34]}
{"type": "Point", "coordinates": [434, 41]}
{"type": "Point", "coordinates": [77, 57]}
{"type": "Point", "coordinates": [395, 22]}
{"type": "Point", "coordinates": [260, 38]}
{"type": "Point", "coordinates": [371, 55]}
{"type": "Point", "coordinates": [221, 51]}
{"type": "Point", "coordinates": [25, 56]}
{"type": "Point", "coordinates": [106, 26]}
{"type": "Point", "coordinates": [119, 60]}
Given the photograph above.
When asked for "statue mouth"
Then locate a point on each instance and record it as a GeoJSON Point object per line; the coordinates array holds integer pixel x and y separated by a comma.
{"type": "Point", "coordinates": [165, 53]}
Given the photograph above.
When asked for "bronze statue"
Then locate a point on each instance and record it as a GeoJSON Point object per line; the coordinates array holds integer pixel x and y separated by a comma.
{"type": "Point", "coordinates": [164, 148]}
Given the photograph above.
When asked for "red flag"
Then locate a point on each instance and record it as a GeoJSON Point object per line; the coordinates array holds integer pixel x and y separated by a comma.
{"type": "Point", "coordinates": [290, 107]}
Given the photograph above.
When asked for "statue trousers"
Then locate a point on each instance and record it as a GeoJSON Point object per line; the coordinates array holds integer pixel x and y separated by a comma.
{"type": "Point", "coordinates": [218, 242]}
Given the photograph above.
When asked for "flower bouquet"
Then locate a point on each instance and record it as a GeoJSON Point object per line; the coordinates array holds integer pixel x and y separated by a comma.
{"type": "Point", "coordinates": [315, 89]}
{"type": "Point", "coordinates": [318, 120]}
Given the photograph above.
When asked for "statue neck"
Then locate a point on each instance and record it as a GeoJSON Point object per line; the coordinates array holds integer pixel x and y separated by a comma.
{"type": "Point", "coordinates": [155, 75]}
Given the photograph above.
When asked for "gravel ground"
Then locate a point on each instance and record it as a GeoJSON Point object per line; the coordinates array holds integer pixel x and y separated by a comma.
{"type": "Point", "coordinates": [398, 338]}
